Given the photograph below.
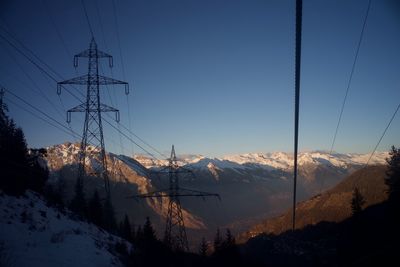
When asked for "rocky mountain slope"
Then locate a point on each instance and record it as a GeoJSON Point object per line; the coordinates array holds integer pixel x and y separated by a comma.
{"type": "Point", "coordinates": [127, 176]}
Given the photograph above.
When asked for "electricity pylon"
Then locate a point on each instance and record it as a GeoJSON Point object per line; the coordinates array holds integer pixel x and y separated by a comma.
{"type": "Point", "coordinates": [92, 138]}
{"type": "Point", "coordinates": [175, 233]}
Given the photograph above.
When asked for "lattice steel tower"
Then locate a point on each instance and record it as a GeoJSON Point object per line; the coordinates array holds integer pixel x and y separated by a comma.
{"type": "Point", "coordinates": [93, 130]}
{"type": "Point", "coordinates": [175, 233]}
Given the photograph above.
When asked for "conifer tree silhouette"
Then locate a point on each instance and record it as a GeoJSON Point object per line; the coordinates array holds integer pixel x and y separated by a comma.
{"type": "Point", "coordinates": [14, 162]}
{"type": "Point", "coordinates": [217, 241]}
{"type": "Point", "coordinates": [203, 250]}
{"type": "Point", "coordinates": [95, 209]}
{"type": "Point", "coordinates": [393, 175]}
{"type": "Point", "coordinates": [357, 202]}
{"type": "Point", "coordinates": [127, 229]}
{"type": "Point", "coordinates": [78, 202]}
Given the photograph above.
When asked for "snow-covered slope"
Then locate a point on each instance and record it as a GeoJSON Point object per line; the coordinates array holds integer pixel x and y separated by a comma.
{"type": "Point", "coordinates": [34, 234]}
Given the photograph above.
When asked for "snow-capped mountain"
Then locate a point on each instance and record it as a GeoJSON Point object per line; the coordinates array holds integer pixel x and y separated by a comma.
{"type": "Point", "coordinates": [270, 161]}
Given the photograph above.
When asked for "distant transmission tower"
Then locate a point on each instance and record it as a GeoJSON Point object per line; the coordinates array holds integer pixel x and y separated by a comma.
{"type": "Point", "coordinates": [175, 233]}
{"type": "Point", "coordinates": [93, 130]}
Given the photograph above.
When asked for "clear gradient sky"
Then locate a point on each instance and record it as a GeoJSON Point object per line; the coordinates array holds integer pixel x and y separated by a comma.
{"type": "Point", "coordinates": [215, 77]}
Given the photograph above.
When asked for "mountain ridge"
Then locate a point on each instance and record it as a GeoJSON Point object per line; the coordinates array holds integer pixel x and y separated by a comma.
{"type": "Point", "coordinates": [270, 160]}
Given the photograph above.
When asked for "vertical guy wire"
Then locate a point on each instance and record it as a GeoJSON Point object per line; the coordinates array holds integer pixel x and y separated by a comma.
{"type": "Point", "coordinates": [299, 7]}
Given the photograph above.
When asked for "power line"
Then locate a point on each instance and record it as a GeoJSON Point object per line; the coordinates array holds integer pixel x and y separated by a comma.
{"type": "Point", "coordinates": [87, 18]}
{"type": "Point", "coordinates": [46, 73]}
{"type": "Point", "coordinates": [118, 38]}
{"type": "Point", "coordinates": [383, 134]}
{"type": "Point", "coordinates": [51, 18]}
{"type": "Point", "coordinates": [351, 76]}
{"type": "Point", "coordinates": [93, 127]}
{"type": "Point", "coordinates": [130, 139]}
{"type": "Point", "coordinates": [46, 121]}
{"type": "Point", "coordinates": [140, 139]}
{"type": "Point", "coordinates": [38, 89]}
{"type": "Point", "coordinates": [27, 57]}
{"type": "Point", "coordinates": [122, 64]}
{"type": "Point", "coordinates": [43, 71]}
{"type": "Point", "coordinates": [41, 112]}
{"type": "Point", "coordinates": [101, 24]}
{"type": "Point", "coordinates": [144, 142]}
{"type": "Point", "coordinates": [112, 74]}
{"type": "Point", "coordinates": [14, 37]}
{"type": "Point", "coordinates": [50, 76]}
{"type": "Point", "coordinates": [175, 232]}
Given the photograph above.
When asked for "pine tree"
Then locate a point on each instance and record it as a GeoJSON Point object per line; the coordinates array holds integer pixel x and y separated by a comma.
{"type": "Point", "coordinates": [357, 202]}
{"type": "Point", "coordinates": [230, 239]}
{"type": "Point", "coordinates": [217, 241]}
{"type": "Point", "coordinates": [54, 193]}
{"type": "Point", "coordinates": [203, 250]}
{"type": "Point", "coordinates": [146, 239]}
{"type": "Point", "coordinates": [393, 176]}
{"type": "Point", "coordinates": [13, 156]}
{"type": "Point", "coordinates": [95, 209]}
{"type": "Point", "coordinates": [38, 174]}
{"type": "Point", "coordinates": [139, 234]}
{"type": "Point", "coordinates": [148, 230]}
{"type": "Point", "coordinates": [110, 223]}
{"type": "Point", "coordinates": [121, 229]}
{"type": "Point", "coordinates": [126, 229]}
{"type": "Point", "coordinates": [78, 203]}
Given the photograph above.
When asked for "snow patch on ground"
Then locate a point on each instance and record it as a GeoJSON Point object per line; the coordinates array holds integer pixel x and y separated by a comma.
{"type": "Point", "coordinates": [37, 235]}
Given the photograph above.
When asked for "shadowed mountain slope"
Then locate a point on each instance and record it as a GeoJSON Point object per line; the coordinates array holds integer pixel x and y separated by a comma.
{"type": "Point", "coordinates": [331, 206]}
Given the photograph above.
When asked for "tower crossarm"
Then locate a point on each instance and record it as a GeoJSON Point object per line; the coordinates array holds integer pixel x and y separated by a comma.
{"type": "Point", "coordinates": [81, 80]}
{"type": "Point", "coordinates": [154, 194]}
{"type": "Point", "coordinates": [83, 108]}
{"type": "Point", "coordinates": [93, 52]}
{"type": "Point", "coordinates": [183, 192]}
{"type": "Point", "coordinates": [92, 79]}
{"type": "Point", "coordinates": [103, 80]}
{"type": "Point", "coordinates": [100, 54]}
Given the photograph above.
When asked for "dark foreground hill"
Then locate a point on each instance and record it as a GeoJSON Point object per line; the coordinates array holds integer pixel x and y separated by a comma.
{"type": "Point", "coordinates": [330, 206]}
{"type": "Point", "coordinates": [369, 239]}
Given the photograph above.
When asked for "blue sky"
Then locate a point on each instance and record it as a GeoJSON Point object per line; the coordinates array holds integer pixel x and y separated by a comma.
{"type": "Point", "coordinates": [215, 77]}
